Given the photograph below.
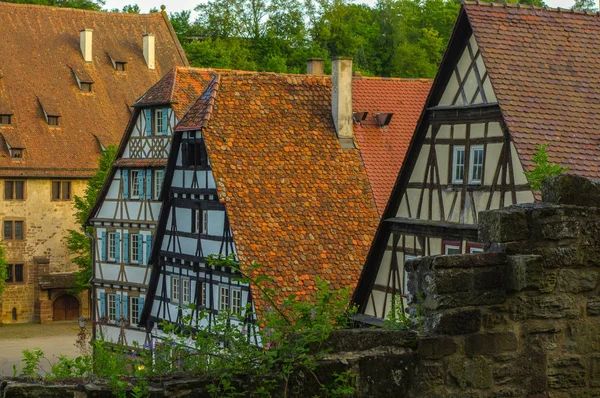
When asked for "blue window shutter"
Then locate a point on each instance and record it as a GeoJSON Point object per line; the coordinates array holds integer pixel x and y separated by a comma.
{"type": "Point", "coordinates": [140, 249]}
{"type": "Point", "coordinates": [103, 246]}
{"type": "Point", "coordinates": [165, 121]}
{"type": "Point", "coordinates": [140, 305]}
{"type": "Point", "coordinates": [141, 183]}
{"type": "Point", "coordinates": [148, 184]}
{"type": "Point", "coordinates": [125, 184]}
{"type": "Point", "coordinates": [117, 306]}
{"type": "Point", "coordinates": [126, 307]}
{"type": "Point", "coordinates": [117, 246]}
{"type": "Point", "coordinates": [125, 247]}
{"type": "Point", "coordinates": [148, 247]}
{"type": "Point", "coordinates": [148, 113]}
{"type": "Point", "coordinates": [102, 304]}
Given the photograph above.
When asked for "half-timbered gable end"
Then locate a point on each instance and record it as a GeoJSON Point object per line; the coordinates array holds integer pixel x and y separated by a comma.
{"type": "Point", "coordinates": [512, 78]}
{"type": "Point", "coordinates": [125, 216]}
{"type": "Point", "coordinates": [279, 189]}
{"type": "Point", "coordinates": [62, 102]}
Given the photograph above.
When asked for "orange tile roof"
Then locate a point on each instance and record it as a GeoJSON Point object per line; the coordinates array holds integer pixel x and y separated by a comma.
{"type": "Point", "coordinates": [543, 65]}
{"type": "Point", "coordinates": [383, 148]}
{"type": "Point", "coordinates": [297, 202]}
{"type": "Point", "coordinates": [40, 46]}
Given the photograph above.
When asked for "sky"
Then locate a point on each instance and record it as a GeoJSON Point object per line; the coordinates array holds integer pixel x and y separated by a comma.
{"type": "Point", "coordinates": [180, 5]}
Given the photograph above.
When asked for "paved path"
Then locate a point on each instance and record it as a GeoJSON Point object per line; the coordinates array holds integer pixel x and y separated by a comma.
{"type": "Point", "coordinates": [53, 339]}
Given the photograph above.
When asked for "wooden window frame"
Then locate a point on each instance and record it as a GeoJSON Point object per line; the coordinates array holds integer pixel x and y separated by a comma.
{"type": "Point", "coordinates": [134, 182]}
{"type": "Point", "coordinates": [451, 244]}
{"type": "Point", "coordinates": [200, 221]}
{"type": "Point", "coordinates": [175, 289]}
{"type": "Point", "coordinates": [120, 66]}
{"type": "Point", "coordinates": [134, 320]}
{"type": "Point", "coordinates": [112, 318]}
{"type": "Point", "coordinates": [236, 308]}
{"type": "Point", "coordinates": [16, 153]}
{"type": "Point", "coordinates": [61, 190]}
{"type": "Point", "coordinates": [12, 273]}
{"type": "Point", "coordinates": [183, 283]}
{"type": "Point", "coordinates": [455, 178]}
{"type": "Point", "coordinates": [52, 121]}
{"type": "Point", "coordinates": [13, 228]}
{"type": "Point", "coordinates": [194, 155]}
{"type": "Point", "coordinates": [85, 87]}
{"type": "Point", "coordinates": [134, 253]}
{"type": "Point", "coordinates": [157, 114]}
{"type": "Point", "coordinates": [202, 301]}
{"type": "Point", "coordinates": [14, 190]}
{"type": "Point", "coordinates": [156, 186]}
{"type": "Point", "coordinates": [224, 299]}
{"type": "Point", "coordinates": [5, 120]}
{"type": "Point", "coordinates": [472, 149]}
{"type": "Point", "coordinates": [474, 247]}
{"type": "Point", "coordinates": [112, 234]}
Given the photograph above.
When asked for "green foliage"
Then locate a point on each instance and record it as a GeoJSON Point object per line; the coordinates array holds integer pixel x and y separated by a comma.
{"type": "Point", "coordinates": [3, 269]}
{"type": "Point", "coordinates": [397, 317]}
{"type": "Point", "coordinates": [95, 5]}
{"type": "Point", "coordinates": [543, 168]}
{"type": "Point", "coordinates": [585, 5]}
{"type": "Point", "coordinates": [80, 367]}
{"type": "Point", "coordinates": [77, 242]}
{"type": "Point", "coordinates": [31, 362]}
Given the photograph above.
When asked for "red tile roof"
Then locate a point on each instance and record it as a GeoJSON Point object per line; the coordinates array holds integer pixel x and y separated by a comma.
{"type": "Point", "coordinates": [383, 148]}
{"type": "Point", "coordinates": [40, 45]}
{"type": "Point", "coordinates": [544, 68]}
{"type": "Point", "coordinates": [297, 202]}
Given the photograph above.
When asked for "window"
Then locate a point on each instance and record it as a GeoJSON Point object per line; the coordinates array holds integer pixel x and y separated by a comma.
{"type": "Point", "coordinates": [159, 176]}
{"type": "Point", "coordinates": [458, 164]}
{"type": "Point", "coordinates": [52, 120]}
{"type": "Point", "coordinates": [452, 247]}
{"type": "Point", "coordinates": [185, 291]}
{"type": "Point", "coordinates": [120, 66]}
{"type": "Point", "coordinates": [476, 167]}
{"type": "Point", "coordinates": [16, 153]}
{"type": "Point", "coordinates": [5, 119]}
{"type": "Point", "coordinates": [14, 190]}
{"type": "Point", "coordinates": [111, 307]}
{"type": "Point", "coordinates": [158, 121]}
{"type": "Point", "coordinates": [86, 87]}
{"type": "Point", "coordinates": [15, 273]}
{"type": "Point", "coordinates": [405, 274]}
{"type": "Point", "coordinates": [236, 301]}
{"type": "Point", "coordinates": [134, 310]}
{"type": "Point", "coordinates": [474, 247]}
{"type": "Point", "coordinates": [194, 154]}
{"type": "Point", "coordinates": [201, 294]}
{"type": "Point", "coordinates": [135, 183]}
{"type": "Point", "coordinates": [223, 298]}
{"type": "Point", "coordinates": [112, 246]}
{"type": "Point", "coordinates": [13, 230]}
{"type": "Point", "coordinates": [134, 247]}
{"type": "Point", "coordinates": [175, 296]}
{"type": "Point", "coordinates": [200, 221]}
{"type": "Point", "coordinates": [61, 190]}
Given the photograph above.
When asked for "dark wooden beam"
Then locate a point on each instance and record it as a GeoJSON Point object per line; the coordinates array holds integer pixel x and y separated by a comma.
{"type": "Point", "coordinates": [474, 141]}
{"type": "Point", "coordinates": [441, 229]}
{"type": "Point", "coordinates": [463, 114]}
{"type": "Point", "coordinates": [470, 188]}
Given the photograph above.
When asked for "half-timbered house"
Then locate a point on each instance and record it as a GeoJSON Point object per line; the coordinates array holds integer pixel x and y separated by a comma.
{"type": "Point", "coordinates": [68, 79]}
{"type": "Point", "coordinates": [125, 216]}
{"type": "Point", "coordinates": [512, 77]}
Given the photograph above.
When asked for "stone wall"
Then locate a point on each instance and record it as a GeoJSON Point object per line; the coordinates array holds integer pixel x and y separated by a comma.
{"type": "Point", "coordinates": [521, 320]}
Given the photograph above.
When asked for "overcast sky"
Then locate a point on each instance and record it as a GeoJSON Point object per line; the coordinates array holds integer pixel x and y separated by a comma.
{"type": "Point", "coordinates": [180, 5]}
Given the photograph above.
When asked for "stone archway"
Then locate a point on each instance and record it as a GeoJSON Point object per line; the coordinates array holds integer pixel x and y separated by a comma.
{"type": "Point", "coordinates": [65, 308]}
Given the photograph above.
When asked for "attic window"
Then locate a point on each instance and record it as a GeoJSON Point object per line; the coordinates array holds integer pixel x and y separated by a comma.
{"type": "Point", "coordinates": [5, 120]}
{"type": "Point", "coordinates": [83, 78]}
{"type": "Point", "coordinates": [384, 119]}
{"type": "Point", "coordinates": [51, 112]}
{"type": "Point", "coordinates": [359, 116]}
{"type": "Point", "coordinates": [52, 120]}
{"type": "Point", "coordinates": [120, 66]}
{"type": "Point", "coordinates": [16, 153]}
{"type": "Point", "coordinates": [86, 87]}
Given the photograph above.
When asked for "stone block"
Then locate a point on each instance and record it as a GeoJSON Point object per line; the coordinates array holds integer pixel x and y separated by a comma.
{"type": "Point", "coordinates": [470, 373]}
{"type": "Point", "coordinates": [386, 376]}
{"type": "Point", "coordinates": [489, 278]}
{"type": "Point", "coordinates": [556, 257]}
{"type": "Point", "coordinates": [593, 306]}
{"type": "Point", "coordinates": [571, 189]}
{"type": "Point", "coordinates": [457, 322]}
{"type": "Point", "coordinates": [526, 272]}
{"type": "Point", "coordinates": [567, 372]}
{"type": "Point", "coordinates": [583, 337]}
{"type": "Point", "coordinates": [505, 225]}
{"type": "Point", "coordinates": [554, 306]}
{"type": "Point", "coordinates": [452, 281]}
{"type": "Point", "coordinates": [436, 347]}
{"type": "Point", "coordinates": [577, 280]}
{"type": "Point", "coordinates": [595, 371]}
{"type": "Point", "coordinates": [490, 343]}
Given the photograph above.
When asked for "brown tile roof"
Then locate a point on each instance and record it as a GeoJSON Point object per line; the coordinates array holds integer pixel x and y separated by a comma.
{"type": "Point", "coordinates": [57, 281]}
{"type": "Point", "coordinates": [383, 148]}
{"type": "Point", "coordinates": [127, 162]}
{"type": "Point", "coordinates": [297, 202]}
{"type": "Point", "coordinates": [40, 45]}
{"type": "Point", "coordinates": [543, 65]}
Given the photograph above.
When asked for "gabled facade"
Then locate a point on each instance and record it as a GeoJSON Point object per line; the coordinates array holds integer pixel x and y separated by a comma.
{"type": "Point", "coordinates": [62, 101]}
{"type": "Point", "coordinates": [495, 97]}
{"type": "Point", "coordinates": [127, 211]}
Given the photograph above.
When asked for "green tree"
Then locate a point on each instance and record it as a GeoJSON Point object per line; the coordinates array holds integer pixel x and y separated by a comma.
{"type": "Point", "coordinates": [585, 5]}
{"type": "Point", "coordinates": [3, 270]}
{"type": "Point", "coordinates": [543, 168]}
{"type": "Point", "coordinates": [78, 243]}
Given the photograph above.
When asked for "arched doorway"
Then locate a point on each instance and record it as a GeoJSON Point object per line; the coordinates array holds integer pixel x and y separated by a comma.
{"type": "Point", "coordinates": [66, 308]}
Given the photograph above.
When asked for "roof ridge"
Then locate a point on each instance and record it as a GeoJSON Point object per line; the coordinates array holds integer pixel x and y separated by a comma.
{"type": "Point", "coordinates": [403, 79]}
{"type": "Point", "coordinates": [206, 102]}
{"type": "Point", "coordinates": [522, 7]}
{"type": "Point", "coordinates": [69, 9]}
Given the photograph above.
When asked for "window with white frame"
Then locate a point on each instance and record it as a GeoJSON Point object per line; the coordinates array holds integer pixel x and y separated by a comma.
{"type": "Point", "coordinates": [112, 246]}
{"type": "Point", "coordinates": [200, 221]}
{"type": "Point", "coordinates": [201, 294]}
{"type": "Point", "coordinates": [134, 310]}
{"type": "Point", "coordinates": [452, 247]}
{"type": "Point", "coordinates": [158, 121]}
{"type": "Point", "coordinates": [111, 307]}
{"type": "Point", "coordinates": [205, 222]}
{"type": "Point", "coordinates": [134, 247]}
{"type": "Point", "coordinates": [135, 183]}
{"type": "Point", "coordinates": [185, 291]}
{"type": "Point", "coordinates": [175, 289]}
{"type": "Point", "coordinates": [476, 164]}
{"type": "Point", "coordinates": [236, 301]}
{"type": "Point", "coordinates": [458, 164]}
{"type": "Point", "coordinates": [223, 298]}
{"type": "Point", "coordinates": [159, 176]}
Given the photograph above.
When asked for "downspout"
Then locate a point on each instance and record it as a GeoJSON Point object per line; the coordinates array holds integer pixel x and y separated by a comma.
{"type": "Point", "coordinates": [92, 306]}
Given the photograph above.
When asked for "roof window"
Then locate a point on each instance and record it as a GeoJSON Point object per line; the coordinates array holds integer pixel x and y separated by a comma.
{"type": "Point", "coordinates": [118, 60]}
{"type": "Point", "coordinates": [383, 119]}
{"type": "Point", "coordinates": [5, 120]}
{"type": "Point", "coordinates": [359, 117]}
{"type": "Point", "coordinates": [51, 112]}
{"type": "Point", "coordinates": [83, 79]}
{"type": "Point", "coordinates": [16, 153]}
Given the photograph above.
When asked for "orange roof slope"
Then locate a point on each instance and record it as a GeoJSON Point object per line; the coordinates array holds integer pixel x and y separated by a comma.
{"type": "Point", "coordinates": [41, 51]}
{"type": "Point", "coordinates": [544, 68]}
{"type": "Point", "coordinates": [383, 148]}
{"type": "Point", "coordinates": [297, 202]}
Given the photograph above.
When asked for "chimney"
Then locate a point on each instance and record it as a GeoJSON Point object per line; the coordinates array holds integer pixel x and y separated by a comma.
{"type": "Point", "coordinates": [85, 42]}
{"type": "Point", "coordinates": [341, 100]}
{"type": "Point", "coordinates": [315, 66]}
{"type": "Point", "coordinates": [149, 50]}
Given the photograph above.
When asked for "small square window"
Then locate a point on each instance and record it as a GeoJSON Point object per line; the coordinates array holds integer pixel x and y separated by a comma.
{"type": "Point", "coordinates": [16, 153]}
{"type": "Point", "coordinates": [86, 87]}
{"type": "Point", "coordinates": [15, 273]}
{"type": "Point", "coordinates": [452, 247]}
{"type": "Point", "coordinates": [61, 190]}
{"type": "Point", "coordinates": [5, 120]}
{"type": "Point", "coordinates": [120, 66]}
{"type": "Point", "coordinates": [458, 164]}
{"type": "Point", "coordinates": [194, 154]}
{"type": "Point", "coordinates": [53, 120]}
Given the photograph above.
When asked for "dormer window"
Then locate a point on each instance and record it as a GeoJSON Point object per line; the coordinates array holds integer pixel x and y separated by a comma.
{"type": "Point", "coordinates": [52, 120]}
{"type": "Point", "coordinates": [120, 66]}
{"type": "Point", "coordinates": [118, 60]}
{"type": "Point", "coordinates": [51, 112]}
{"type": "Point", "coordinates": [16, 153]}
{"type": "Point", "coordinates": [5, 120]}
{"type": "Point", "coordinates": [83, 79]}
{"type": "Point", "coordinates": [86, 87]}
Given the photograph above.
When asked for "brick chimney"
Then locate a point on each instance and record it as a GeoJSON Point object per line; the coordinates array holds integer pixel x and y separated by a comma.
{"type": "Point", "coordinates": [315, 66]}
{"type": "Point", "coordinates": [85, 42]}
{"type": "Point", "coordinates": [149, 50]}
{"type": "Point", "coordinates": [341, 100]}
